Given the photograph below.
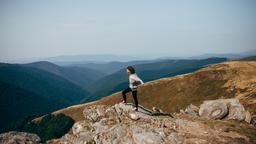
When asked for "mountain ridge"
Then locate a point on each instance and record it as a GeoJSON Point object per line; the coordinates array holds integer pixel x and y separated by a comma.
{"type": "Point", "coordinates": [80, 76]}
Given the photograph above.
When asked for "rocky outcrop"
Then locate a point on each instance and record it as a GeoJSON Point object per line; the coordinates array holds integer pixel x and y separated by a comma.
{"type": "Point", "coordinates": [223, 108]}
{"type": "Point", "coordinates": [19, 138]}
{"type": "Point", "coordinates": [119, 124]}
{"type": "Point", "coordinates": [116, 124]}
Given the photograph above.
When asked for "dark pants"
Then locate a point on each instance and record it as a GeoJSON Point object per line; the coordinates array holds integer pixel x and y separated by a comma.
{"type": "Point", "coordinates": [134, 94]}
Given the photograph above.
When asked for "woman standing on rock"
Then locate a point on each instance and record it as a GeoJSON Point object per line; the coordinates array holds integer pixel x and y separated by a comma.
{"type": "Point", "coordinates": [134, 82]}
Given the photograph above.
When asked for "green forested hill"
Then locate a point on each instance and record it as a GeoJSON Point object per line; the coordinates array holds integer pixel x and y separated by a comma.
{"type": "Point", "coordinates": [17, 103]}
{"type": "Point", "coordinates": [42, 83]}
{"type": "Point", "coordinates": [27, 91]}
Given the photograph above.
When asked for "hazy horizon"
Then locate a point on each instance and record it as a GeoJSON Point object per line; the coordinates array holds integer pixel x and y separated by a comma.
{"type": "Point", "coordinates": [40, 29]}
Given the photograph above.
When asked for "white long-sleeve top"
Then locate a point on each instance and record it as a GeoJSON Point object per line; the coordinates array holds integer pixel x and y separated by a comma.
{"type": "Point", "coordinates": [132, 79]}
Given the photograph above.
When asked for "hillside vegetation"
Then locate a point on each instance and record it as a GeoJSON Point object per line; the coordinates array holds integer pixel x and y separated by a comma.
{"type": "Point", "coordinates": [28, 91]}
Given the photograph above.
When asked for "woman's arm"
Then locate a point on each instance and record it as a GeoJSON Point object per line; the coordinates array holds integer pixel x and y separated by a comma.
{"type": "Point", "coordinates": [138, 79]}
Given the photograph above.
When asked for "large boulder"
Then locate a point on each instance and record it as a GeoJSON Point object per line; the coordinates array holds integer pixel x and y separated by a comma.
{"type": "Point", "coordinates": [222, 108]}
{"type": "Point", "coordinates": [213, 109]}
{"type": "Point", "coordinates": [14, 137]}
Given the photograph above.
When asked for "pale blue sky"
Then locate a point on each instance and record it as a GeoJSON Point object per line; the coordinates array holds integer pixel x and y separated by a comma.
{"type": "Point", "coordinates": [45, 28]}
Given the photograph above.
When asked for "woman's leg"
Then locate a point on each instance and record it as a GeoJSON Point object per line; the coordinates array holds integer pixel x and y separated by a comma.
{"type": "Point", "coordinates": [124, 93]}
{"type": "Point", "coordinates": [134, 94]}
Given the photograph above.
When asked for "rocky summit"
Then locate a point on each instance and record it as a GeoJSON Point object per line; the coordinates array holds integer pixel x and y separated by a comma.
{"type": "Point", "coordinates": [216, 121]}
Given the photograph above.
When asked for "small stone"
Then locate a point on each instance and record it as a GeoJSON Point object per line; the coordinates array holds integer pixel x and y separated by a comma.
{"type": "Point", "coordinates": [192, 110]}
{"type": "Point", "coordinates": [253, 120]}
{"type": "Point", "coordinates": [81, 127]}
{"type": "Point", "coordinates": [248, 117]}
{"type": "Point", "coordinates": [221, 128]}
{"type": "Point", "coordinates": [91, 114]}
{"type": "Point", "coordinates": [134, 116]}
{"type": "Point", "coordinates": [175, 138]}
{"type": "Point", "coordinates": [182, 111]}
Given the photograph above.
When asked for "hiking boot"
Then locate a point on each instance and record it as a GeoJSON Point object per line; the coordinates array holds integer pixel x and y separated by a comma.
{"type": "Point", "coordinates": [135, 109]}
{"type": "Point", "coordinates": [123, 102]}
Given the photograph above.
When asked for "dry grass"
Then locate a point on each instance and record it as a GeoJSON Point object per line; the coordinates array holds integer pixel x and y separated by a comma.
{"type": "Point", "coordinates": [75, 111]}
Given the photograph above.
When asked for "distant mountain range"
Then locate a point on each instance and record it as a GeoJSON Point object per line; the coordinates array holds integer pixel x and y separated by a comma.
{"type": "Point", "coordinates": [219, 55]}
{"type": "Point", "coordinates": [91, 58]}
{"type": "Point", "coordinates": [110, 67]}
{"type": "Point", "coordinates": [64, 60]}
{"type": "Point", "coordinates": [82, 58]}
